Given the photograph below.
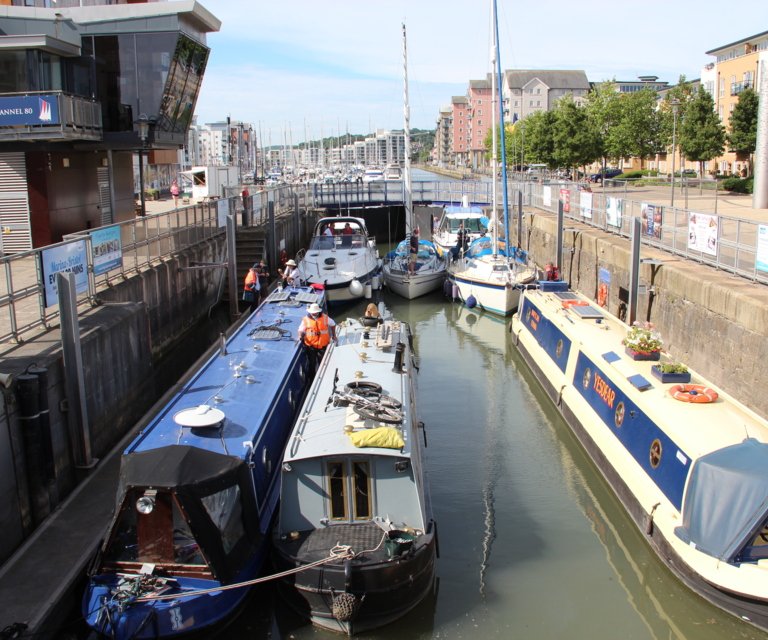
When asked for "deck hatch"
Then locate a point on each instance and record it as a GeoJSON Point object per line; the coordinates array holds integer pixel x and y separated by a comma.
{"type": "Point", "coordinates": [279, 296]}
{"type": "Point", "coordinates": [640, 382]}
{"type": "Point", "coordinates": [565, 295]}
{"type": "Point", "coordinates": [306, 298]}
{"type": "Point", "coordinates": [611, 357]}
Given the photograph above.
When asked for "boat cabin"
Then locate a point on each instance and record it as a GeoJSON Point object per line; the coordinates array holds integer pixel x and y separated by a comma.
{"type": "Point", "coordinates": [339, 232]}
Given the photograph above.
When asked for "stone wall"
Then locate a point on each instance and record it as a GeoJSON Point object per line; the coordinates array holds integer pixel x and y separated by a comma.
{"type": "Point", "coordinates": [715, 322]}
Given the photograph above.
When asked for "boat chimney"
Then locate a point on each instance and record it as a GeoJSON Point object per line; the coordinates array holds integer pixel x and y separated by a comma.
{"type": "Point", "coordinates": [222, 344]}
{"type": "Point", "coordinates": [399, 350]}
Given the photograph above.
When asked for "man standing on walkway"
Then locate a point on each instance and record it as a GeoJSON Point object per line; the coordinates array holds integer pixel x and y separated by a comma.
{"type": "Point", "coordinates": [316, 332]}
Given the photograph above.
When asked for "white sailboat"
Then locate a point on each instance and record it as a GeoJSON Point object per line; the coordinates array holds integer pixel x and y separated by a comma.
{"type": "Point", "coordinates": [412, 276]}
{"type": "Point", "coordinates": [490, 273]}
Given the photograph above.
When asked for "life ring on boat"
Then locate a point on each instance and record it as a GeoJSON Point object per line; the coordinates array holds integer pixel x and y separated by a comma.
{"type": "Point", "coordinates": [696, 393]}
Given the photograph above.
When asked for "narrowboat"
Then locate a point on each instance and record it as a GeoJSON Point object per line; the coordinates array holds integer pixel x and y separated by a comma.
{"type": "Point", "coordinates": [688, 461]}
{"type": "Point", "coordinates": [198, 486]}
{"type": "Point", "coordinates": [355, 536]}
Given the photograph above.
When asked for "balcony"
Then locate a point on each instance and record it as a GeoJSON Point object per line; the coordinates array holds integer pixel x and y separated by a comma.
{"type": "Point", "coordinates": [738, 87]}
{"type": "Point", "coordinates": [49, 115]}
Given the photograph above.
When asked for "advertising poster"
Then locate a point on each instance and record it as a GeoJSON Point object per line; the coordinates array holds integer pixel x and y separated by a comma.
{"type": "Point", "coordinates": [702, 233]}
{"type": "Point", "coordinates": [29, 110]}
{"type": "Point", "coordinates": [651, 215]}
{"type": "Point", "coordinates": [762, 247]}
{"type": "Point", "coordinates": [585, 204]}
{"type": "Point", "coordinates": [66, 258]}
{"type": "Point", "coordinates": [614, 208]}
{"type": "Point", "coordinates": [603, 287]}
{"type": "Point", "coordinates": [546, 196]}
{"type": "Point", "coordinates": [107, 249]}
{"type": "Point", "coordinates": [565, 198]}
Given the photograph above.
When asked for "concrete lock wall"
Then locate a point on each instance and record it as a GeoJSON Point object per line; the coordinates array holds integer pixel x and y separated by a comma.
{"type": "Point", "coordinates": [714, 322]}
{"type": "Point", "coordinates": [121, 341]}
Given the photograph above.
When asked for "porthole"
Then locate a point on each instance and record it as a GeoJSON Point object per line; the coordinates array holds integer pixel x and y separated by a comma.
{"type": "Point", "coordinates": [559, 348]}
{"type": "Point", "coordinates": [291, 400]}
{"type": "Point", "coordinates": [655, 454]}
{"type": "Point", "coordinates": [618, 416]}
{"type": "Point", "coordinates": [587, 377]}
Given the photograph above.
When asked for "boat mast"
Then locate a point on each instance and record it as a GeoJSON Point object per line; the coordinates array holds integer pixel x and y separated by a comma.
{"type": "Point", "coordinates": [407, 195]}
{"type": "Point", "coordinates": [494, 162]}
{"type": "Point", "coordinates": [503, 140]}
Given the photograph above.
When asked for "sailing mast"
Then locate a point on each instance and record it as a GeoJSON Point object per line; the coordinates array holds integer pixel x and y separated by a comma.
{"type": "Point", "coordinates": [407, 195]}
{"type": "Point", "coordinates": [503, 141]}
{"type": "Point", "coordinates": [494, 162]}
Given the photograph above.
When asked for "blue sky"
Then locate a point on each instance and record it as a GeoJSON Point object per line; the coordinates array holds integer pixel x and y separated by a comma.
{"type": "Point", "coordinates": [305, 68]}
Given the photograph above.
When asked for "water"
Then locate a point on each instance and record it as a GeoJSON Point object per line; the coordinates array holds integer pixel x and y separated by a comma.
{"type": "Point", "coordinates": [532, 542]}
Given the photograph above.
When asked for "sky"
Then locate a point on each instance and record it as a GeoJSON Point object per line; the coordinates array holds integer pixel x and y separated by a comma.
{"type": "Point", "coordinates": [302, 69]}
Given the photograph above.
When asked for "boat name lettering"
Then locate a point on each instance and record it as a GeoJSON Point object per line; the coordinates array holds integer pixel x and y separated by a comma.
{"type": "Point", "coordinates": [534, 319]}
{"type": "Point", "coordinates": [604, 390]}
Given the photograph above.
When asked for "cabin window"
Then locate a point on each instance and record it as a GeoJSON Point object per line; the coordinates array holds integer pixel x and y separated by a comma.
{"type": "Point", "coordinates": [226, 512]}
{"type": "Point", "coordinates": [362, 489]}
{"type": "Point", "coordinates": [336, 488]}
{"type": "Point", "coordinates": [757, 549]}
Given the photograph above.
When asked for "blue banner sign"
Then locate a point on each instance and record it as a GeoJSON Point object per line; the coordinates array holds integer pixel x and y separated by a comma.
{"type": "Point", "coordinates": [29, 110]}
{"type": "Point", "coordinates": [66, 258]}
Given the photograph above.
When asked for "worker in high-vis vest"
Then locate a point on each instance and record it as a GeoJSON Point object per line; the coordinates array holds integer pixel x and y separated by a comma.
{"type": "Point", "coordinates": [316, 332]}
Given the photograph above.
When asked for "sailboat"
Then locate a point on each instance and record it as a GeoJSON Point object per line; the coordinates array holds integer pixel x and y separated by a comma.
{"type": "Point", "coordinates": [411, 276]}
{"type": "Point", "coordinates": [490, 273]}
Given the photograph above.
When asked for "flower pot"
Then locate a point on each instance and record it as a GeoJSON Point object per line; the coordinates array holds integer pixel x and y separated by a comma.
{"type": "Point", "coordinates": [643, 355]}
{"type": "Point", "coordinates": [678, 378]}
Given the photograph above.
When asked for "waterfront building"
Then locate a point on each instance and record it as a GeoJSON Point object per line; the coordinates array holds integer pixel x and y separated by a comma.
{"type": "Point", "coordinates": [442, 151]}
{"type": "Point", "coordinates": [460, 110]}
{"type": "Point", "coordinates": [85, 90]}
{"type": "Point", "coordinates": [528, 91]}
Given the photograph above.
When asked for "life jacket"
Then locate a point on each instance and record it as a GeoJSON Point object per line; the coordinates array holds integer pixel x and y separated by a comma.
{"type": "Point", "coordinates": [316, 332]}
{"type": "Point", "coordinates": [250, 281]}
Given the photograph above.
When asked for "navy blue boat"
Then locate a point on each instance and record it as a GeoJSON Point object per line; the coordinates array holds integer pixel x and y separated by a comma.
{"type": "Point", "coordinates": [199, 486]}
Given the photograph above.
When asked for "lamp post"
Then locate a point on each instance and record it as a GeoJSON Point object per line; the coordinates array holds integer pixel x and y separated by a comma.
{"type": "Point", "coordinates": [143, 125]}
{"type": "Point", "coordinates": [675, 104]}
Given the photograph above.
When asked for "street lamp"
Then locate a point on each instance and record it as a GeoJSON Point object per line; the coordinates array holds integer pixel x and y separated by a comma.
{"type": "Point", "coordinates": [675, 104]}
{"type": "Point", "coordinates": [143, 125]}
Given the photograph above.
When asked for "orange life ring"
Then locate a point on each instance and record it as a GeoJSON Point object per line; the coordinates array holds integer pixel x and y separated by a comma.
{"type": "Point", "coordinates": [697, 393]}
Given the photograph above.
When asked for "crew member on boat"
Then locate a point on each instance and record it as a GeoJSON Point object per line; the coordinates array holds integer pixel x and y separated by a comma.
{"type": "Point", "coordinates": [316, 332]}
{"type": "Point", "coordinates": [413, 251]}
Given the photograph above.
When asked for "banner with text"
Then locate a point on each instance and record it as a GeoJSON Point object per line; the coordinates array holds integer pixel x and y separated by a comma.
{"type": "Point", "coordinates": [702, 233]}
{"type": "Point", "coordinates": [66, 258]}
{"type": "Point", "coordinates": [29, 110]}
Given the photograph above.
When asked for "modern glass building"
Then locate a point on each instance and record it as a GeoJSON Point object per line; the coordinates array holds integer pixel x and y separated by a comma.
{"type": "Point", "coordinates": [84, 89]}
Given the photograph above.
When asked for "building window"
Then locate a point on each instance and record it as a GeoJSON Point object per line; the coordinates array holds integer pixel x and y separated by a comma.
{"type": "Point", "coordinates": [361, 478]}
{"type": "Point", "coordinates": [337, 491]}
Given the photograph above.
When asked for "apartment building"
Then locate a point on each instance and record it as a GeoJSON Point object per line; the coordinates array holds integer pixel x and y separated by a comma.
{"type": "Point", "coordinates": [528, 91]}
{"type": "Point", "coordinates": [442, 151]}
{"type": "Point", "coordinates": [736, 67]}
{"type": "Point", "coordinates": [480, 95]}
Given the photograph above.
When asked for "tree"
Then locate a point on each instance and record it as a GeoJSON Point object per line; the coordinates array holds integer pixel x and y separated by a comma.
{"type": "Point", "coordinates": [743, 135]}
{"type": "Point", "coordinates": [539, 138]}
{"type": "Point", "coordinates": [638, 131]}
{"type": "Point", "coordinates": [575, 141]}
{"type": "Point", "coordinates": [603, 111]}
{"type": "Point", "coordinates": [702, 135]}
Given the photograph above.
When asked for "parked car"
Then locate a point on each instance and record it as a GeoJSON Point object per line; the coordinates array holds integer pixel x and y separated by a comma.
{"type": "Point", "coordinates": [608, 174]}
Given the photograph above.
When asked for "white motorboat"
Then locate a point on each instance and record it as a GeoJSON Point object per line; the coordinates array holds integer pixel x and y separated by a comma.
{"type": "Point", "coordinates": [470, 220]}
{"type": "Point", "coordinates": [342, 259]}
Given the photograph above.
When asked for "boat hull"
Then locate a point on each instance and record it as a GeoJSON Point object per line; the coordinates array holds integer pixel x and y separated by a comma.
{"type": "Point", "coordinates": [500, 299]}
{"type": "Point", "coordinates": [619, 477]}
{"type": "Point", "coordinates": [384, 589]}
{"type": "Point", "coordinates": [413, 285]}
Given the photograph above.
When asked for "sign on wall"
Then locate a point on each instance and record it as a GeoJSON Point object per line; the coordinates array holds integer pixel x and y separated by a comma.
{"type": "Point", "coordinates": [651, 216]}
{"type": "Point", "coordinates": [65, 258]}
{"type": "Point", "coordinates": [614, 208]}
{"type": "Point", "coordinates": [585, 204]}
{"type": "Point", "coordinates": [565, 198]}
{"type": "Point", "coordinates": [29, 110]}
{"type": "Point", "coordinates": [762, 247]}
{"type": "Point", "coordinates": [546, 196]}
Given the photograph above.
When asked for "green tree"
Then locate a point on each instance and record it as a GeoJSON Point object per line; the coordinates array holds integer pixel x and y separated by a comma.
{"type": "Point", "coordinates": [603, 110]}
{"type": "Point", "coordinates": [638, 130]}
{"type": "Point", "coordinates": [743, 135]}
{"type": "Point", "coordinates": [575, 141]}
{"type": "Point", "coordinates": [702, 135]}
{"type": "Point", "coordinates": [536, 132]}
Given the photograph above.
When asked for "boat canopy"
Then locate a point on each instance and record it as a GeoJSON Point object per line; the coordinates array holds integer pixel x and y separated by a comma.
{"type": "Point", "coordinates": [726, 502]}
{"type": "Point", "coordinates": [403, 249]}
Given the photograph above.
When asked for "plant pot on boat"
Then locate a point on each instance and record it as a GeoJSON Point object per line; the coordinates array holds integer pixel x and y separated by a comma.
{"type": "Point", "coordinates": [642, 342]}
{"type": "Point", "coordinates": [671, 372]}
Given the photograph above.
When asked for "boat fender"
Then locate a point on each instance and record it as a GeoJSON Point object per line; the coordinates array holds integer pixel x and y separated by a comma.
{"type": "Point", "coordinates": [345, 606]}
{"type": "Point", "coordinates": [471, 302]}
{"type": "Point", "coordinates": [560, 396]}
{"type": "Point", "coordinates": [356, 288]}
{"type": "Point", "coordinates": [454, 291]}
{"type": "Point", "coordinates": [649, 524]}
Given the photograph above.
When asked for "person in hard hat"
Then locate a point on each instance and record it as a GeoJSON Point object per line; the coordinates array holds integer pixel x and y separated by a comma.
{"type": "Point", "coordinates": [316, 332]}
